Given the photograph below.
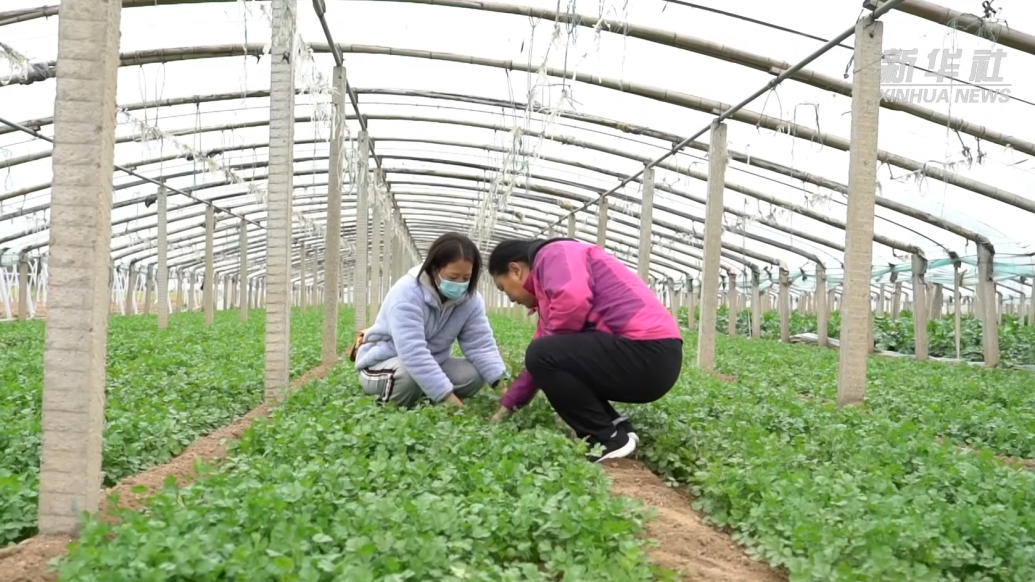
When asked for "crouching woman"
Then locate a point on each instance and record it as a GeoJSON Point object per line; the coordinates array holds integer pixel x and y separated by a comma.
{"type": "Point", "coordinates": [405, 356]}
{"type": "Point", "coordinates": [602, 337]}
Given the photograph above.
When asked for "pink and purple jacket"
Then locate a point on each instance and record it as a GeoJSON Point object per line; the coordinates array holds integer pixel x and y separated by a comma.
{"type": "Point", "coordinates": [579, 287]}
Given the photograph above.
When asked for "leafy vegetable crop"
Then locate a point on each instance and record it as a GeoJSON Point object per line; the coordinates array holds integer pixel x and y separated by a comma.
{"type": "Point", "coordinates": [1016, 340]}
{"type": "Point", "coordinates": [334, 487]}
{"type": "Point", "coordinates": [852, 495]}
{"type": "Point", "coordinates": [164, 390]}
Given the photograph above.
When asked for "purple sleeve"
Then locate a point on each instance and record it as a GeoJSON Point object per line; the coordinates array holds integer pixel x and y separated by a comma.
{"type": "Point", "coordinates": [520, 393]}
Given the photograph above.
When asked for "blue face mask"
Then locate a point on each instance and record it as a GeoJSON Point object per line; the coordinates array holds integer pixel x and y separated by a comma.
{"type": "Point", "coordinates": [451, 289]}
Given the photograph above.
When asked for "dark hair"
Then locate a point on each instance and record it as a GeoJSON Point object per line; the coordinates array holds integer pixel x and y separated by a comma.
{"type": "Point", "coordinates": [509, 251]}
{"type": "Point", "coordinates": [449, 248]}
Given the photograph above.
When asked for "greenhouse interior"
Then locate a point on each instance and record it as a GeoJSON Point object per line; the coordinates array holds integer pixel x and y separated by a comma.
{"type": "Point", "coordinates": [825, 200]}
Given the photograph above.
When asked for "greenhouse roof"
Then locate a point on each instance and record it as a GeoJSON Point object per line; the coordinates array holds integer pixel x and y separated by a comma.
{"type": "Point", "coordinates": [553, 105]}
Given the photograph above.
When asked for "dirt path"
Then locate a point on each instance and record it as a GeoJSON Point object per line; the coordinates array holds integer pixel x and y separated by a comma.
{"type": "Point", "coordinates": [28, 561]}
{"type": "Point", "coordinates": [687, 545]}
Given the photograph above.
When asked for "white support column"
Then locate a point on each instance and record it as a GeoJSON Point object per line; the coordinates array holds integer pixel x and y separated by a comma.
{"type": "Point", "coordinates": [856, 316]}
{"type": "Point", "coordinates": [148, 297]}
{"type": "Point", "coordinates": [920, 307]}
{"type": "Point", "coordinates": [937, 301]}
{"type": "Point", "coordinates": [80, 246]}
{"type": "Point", "coordinates": [303, 285]}
{"type": "Point", "coordinates": [376, 257]}
{"type": "Point", "coordinates": [756, 306]}
{"type": "Point", "coordinates": [602, 223]}
{"type": "Point", "coordinates": [572, 232]}
{"type": "Point", "coordinates": [896, 299]}
{"type": "Point", "coordinates": [131, 289]}
{"type": "Point", "coordinates": [987, 305]}
{"type": "Point", "coordinates": [359, 278]}
{"type": "Point", "coordinates": [712, 247]}
{"type": "Point", "coordinates": [646, 224]}
{"type": "Point", "coordinates": [957, 280]}
{"type": "Point", "coordinates": [691, 306]}
{"type": "Point", "coordinates": [163, 261]}
{"type": "Point", "coordinates": [731, 319]}
{"type": "Point", "coordinates": [281, 187]}
{"type": "Point", "coordinates": [785, 305]}
{"type": "Point", "coordinates": [822, 307]}
{"type": "Point", "coordinates": [23, 286]}
{"type": "Point", "coordinates": [386, 244]}
{"type": "Point", "coordinates": [193, 295]}
{"type": "Point", "coordinates": [208, 292]}
{"type": "Point", "coordinates": [332, 242]}
{"type": "Point", "coordinates": [673, 300]}
{"type": "Point", "coordinates": [242, 271]}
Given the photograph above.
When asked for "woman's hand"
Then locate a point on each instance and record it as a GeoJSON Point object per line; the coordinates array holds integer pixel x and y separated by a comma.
{"type": "Point", "coordinates": [502, 413]}
{"type": "Point", "coordinates": [453, 400]}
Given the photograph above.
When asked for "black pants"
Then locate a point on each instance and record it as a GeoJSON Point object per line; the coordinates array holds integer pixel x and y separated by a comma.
{"type": "Point", "coordinates": [581, 372]}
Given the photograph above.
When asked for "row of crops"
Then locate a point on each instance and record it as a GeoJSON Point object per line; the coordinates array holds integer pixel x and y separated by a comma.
{"type": "Point", "coordinates": [911, 487]}
{"type": "Point", "coordinates": [164, 390]}
{"type": "Point", "coordinates": [1016, 338]}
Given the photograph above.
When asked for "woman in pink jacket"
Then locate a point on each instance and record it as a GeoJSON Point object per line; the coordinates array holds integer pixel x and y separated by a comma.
{"type": "Point", "coordinates": [602, 337]}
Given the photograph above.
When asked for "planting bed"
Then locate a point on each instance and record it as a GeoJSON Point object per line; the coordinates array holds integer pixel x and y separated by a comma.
{"type": "Point", "coordinates": [164, 389]}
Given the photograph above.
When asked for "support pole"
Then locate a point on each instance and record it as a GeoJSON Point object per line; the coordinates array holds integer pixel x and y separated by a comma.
{"type": "Point", "coordinates": [303, 285]}
{"type": "Point", "coordinates": [131, 289]}
{"type": "Point", "coordinates": [673, 300]}
{"type": "Point", "coordinates": [242, 271]}
{"type": "Point", "coordinates": [822, 307]}
{"type": "Point", "coordinates": [332, 243]}
{"type": "Point", "coordinates": [208, 292]}
{"type": "Point", "coordinates": [181, 289]}
{"type": "Point", "coordinates": [717, 159]}
{"type": "Point", "coordinates": [937, 301]}
{"type": "Point", "coordinates": [691, 306]}
{"type": "Point", "coordinates": [646, 224]}
{"type": "Point", "coordinates": [957, 279]}
{"type": "Point", "coordinates": [163, 261]}
{"type": "Point", "coordinates": [856, 317]}
{"type": "Point", "coordinates": [80, 245]}
{"type": "Point", "coordinates": [193, 296]}
{"type": "Point", "coordinates": [23, 286]}
{"type": "Point", "coordinates": [359, 279]}
{"type": "Point", "coordinates": [987, 301]}
{"type": "Point", "coordinates": [281, 187]}
{"type": "Point", "coordinates": [1031, 311]}
{"type": "Point", "coordinates": [756, 305]}
{"type": "Point", "coordinates": [602, 223]}
{"type": "Point", "coordinates": [572, 233]}
{"type": "Point", "coordinates": [148, 294]}
{"type": "Point", "coordinates": [785, 305]}
{"type": "Point", "coordinates": [920, 306]}
{"type": "Point", "coordinates": [375, 257]}
{"type": "Point", "coordinates": [731, 319]}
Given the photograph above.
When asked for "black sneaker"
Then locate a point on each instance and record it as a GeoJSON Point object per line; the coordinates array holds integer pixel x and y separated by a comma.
{"type": "Point", "coordinates": [620, 446]}
{"type": "Point", "coordinates": [622, 423]}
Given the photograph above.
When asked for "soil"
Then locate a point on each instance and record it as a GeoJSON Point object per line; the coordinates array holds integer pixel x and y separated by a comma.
{"type": "Point", "coordinates": [696, 551]}
{"type": "Point", "coordinates": [28, 561]}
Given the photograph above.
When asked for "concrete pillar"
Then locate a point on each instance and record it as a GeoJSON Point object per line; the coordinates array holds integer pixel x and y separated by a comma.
{"type": "Point", "coordinates": [756, 305]}
{"type": "Point", "coordinates": [920, 306]}
{"type": "Point", "coordinates": [673, 300]}
{"type": "Point", "coordinates": [332, 243]}
{"type": "Point", "coordinates": [712, 247]}
{"type": "Point", "coordinates": [131, 289]}
{"type": "Point", "coordinates": [785, 305]}
{"type": "Point", "coordinates": [896, 299]}
{"type": "Point", "coordinates": [957, 282]}
{"type": "Point", "coordinates": [691, 306]}
{"type": "Point", "coordinates": [572, 232]}
{"type": "Point", "coordinates": [1031, 309]}
{"type": "Point", "coordinates": [986, 298]}
{"type": "Point", "coordinates": [602, 223]}
{"type": "Point", "coordinates": [148, 296]}
{"type": "Point", "coordinates": [386, 244]}
{"type": "Point", "coordinates": [208, 291]}
{"type": "Point", "coordinates": [23, 286]}
{"type": "Point", "coordinates": [228, 283]}
{"type": "Point", "coordinates": [731, 321]}
{"type": "Point", "coordinates": [192, 297]}
{"type": "Point", "coordinates": [163, 261]}
{"type": "Point", "coordinates": [80, 243]}
{"type": "Point", "coordinates": [937, 301]}
{"type": "Point", "coordinates": [303, 285]}
{"type": "Point", "coordinates": [281, 185]}
{"type": "Point", "coordinates": [376, 258]}
{"type": "Point", "coordinates": [856, 317]}
{"type": "Point", "coordinates": [822, 307]}
{"type": "Point", "coordinates": [242, 270]}
{"type": "Point", "coordinates": [646, 225]}
{"type": "Point", "coordinates": [879, 307]}
{"type": "Point", "coordinates": [359, 279]}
